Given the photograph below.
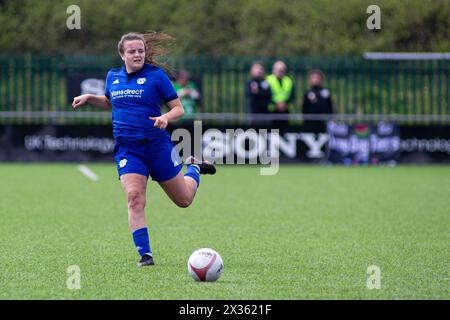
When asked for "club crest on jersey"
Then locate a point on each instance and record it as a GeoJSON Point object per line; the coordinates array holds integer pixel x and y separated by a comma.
{"type": "Point", "coordinates": [265, 85]}
{"type": "Point", "coordinates": [312, 97]}
{"type": "Point", "coordinates": [141, 80]}
{"type": "Point", "coordinates": [325, 93]}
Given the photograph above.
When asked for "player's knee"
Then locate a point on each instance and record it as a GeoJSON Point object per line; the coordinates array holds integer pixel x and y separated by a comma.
{"type": "Point", "coordinates": [184, 202]}
{"type": "Point", "coordinates": [136, 200]}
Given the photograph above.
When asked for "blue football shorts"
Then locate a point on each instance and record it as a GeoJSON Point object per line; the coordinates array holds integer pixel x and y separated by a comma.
{"type": "Point", "coordinates": [157, 159]}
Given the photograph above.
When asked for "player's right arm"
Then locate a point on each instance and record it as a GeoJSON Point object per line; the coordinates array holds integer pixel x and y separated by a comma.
{"type": "Point", "coordinates": [101, 102]}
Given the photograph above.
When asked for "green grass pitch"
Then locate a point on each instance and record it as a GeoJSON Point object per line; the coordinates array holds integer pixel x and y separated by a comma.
{"type": "Point", "coordinates": [306, 233]}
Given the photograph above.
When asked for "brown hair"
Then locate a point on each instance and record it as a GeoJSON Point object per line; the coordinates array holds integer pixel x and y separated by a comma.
{"type": "Point", "coordinates": [156, 46]}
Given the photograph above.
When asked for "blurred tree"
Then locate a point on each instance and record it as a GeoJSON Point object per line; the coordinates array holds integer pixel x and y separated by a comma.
{"type": "Point", "coordinates": [228, 27]}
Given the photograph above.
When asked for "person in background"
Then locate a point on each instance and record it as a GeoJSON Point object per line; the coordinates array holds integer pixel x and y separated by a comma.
{"type": "Point", "coordinates": [317, 100]}
{"type": "Point", "coordinates": [282, 88]}
{"type": "Point", "coordinates": [187, 91]}
{"type": "Point", "coordinates": [258, 91]}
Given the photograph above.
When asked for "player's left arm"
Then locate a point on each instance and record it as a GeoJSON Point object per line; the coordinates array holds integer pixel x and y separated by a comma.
{"type": "Point", "coordinates": [175, 113]}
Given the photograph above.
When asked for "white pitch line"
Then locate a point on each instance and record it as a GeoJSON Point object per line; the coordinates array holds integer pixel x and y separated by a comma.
{"type": "Point", "coordinates": [87, 172]}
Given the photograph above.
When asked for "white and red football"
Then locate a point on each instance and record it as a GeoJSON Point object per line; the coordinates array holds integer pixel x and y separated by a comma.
{"type": "Point", "coordinates": [205, 265]}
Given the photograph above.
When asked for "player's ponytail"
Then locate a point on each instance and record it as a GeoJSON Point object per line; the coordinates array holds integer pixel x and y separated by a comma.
{"type": "Point", "coordinates": [156, 47]}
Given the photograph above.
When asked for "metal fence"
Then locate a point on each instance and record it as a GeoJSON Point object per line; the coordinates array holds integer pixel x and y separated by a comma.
{"type": "Point", "coordinates": [33, 89]}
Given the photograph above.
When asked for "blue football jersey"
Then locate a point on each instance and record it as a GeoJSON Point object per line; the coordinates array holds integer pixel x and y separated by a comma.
{"type": "Point", "coordinates": [134, 98]}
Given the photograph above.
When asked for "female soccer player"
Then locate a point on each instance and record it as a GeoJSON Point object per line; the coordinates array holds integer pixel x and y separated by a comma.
{"type": "Point", "coordinates": [143, 147]}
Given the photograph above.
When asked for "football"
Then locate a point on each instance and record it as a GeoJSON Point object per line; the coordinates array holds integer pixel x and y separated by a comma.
{"type": "Point", "coordinates": [205, 265]}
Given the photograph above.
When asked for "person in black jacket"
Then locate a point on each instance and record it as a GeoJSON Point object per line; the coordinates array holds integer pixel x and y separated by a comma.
{"type": "Point", "coordinates": [258, 90]}
{"type": "Point", "coordinates": [317, 100]}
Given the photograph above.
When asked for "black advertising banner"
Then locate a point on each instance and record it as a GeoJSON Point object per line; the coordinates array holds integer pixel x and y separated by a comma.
{"type": "Point", "coordinates": [344, 144]}
{"type": "Point", "coordinates": [56, 143]}
{"type": "Point", "coordinates": [363, 143]}
{"type": "Point", "coordinates": [86, 82]}
{"type": "Point", "coordinates": [427, 144]}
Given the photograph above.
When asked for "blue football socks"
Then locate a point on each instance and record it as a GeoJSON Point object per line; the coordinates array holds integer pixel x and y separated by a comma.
{"type": "Point", "coordinates": [142, 241]}
{"type": "Point", "coordinates": [193, 171]}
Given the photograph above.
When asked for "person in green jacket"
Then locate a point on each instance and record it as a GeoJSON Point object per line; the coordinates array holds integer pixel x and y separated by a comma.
{"type": "Point", "coordinates": [283, 90]}
{"type": "Point", "coordinates": [187, 91]}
